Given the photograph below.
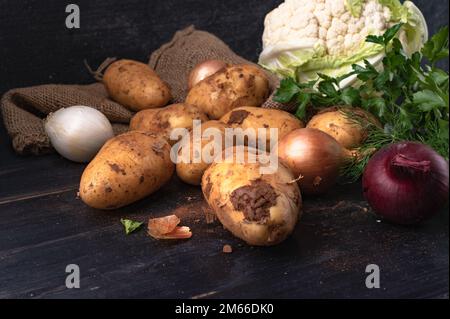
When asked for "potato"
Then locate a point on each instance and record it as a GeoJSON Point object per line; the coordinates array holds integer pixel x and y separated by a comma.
{"type": "Point", "coordinates": [189, 171]}
{"type": "Point", "coordinates": [128, 168]}
{"type": "Point", "coordinates": [255, 118]}
{"type": "Point", "coordinates": [231, 87]}
{"type": "Point", "coordinates": [261, 209]}
{"type": "Point", "coordinates": [164, 120]}
{"type": "Point", "coordinates": [135, 85]}
{"type": "Point", "coordinates": [349, 133]}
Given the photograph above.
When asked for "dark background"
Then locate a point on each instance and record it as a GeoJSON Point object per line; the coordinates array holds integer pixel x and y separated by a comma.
{"type": "Point", "coordinates": [37, 48]}
{"type": "Point", "coordinates": [43, 227]}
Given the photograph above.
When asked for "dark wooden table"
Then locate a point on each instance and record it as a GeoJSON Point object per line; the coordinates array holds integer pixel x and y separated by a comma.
{"type": "Point", "coordinates": [44, 227]}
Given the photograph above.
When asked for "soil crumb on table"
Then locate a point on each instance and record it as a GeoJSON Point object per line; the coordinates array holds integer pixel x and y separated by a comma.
{"type": "Point", "coordinates": [195, 212]}
{"type": "Point", "coordinates": [227, 249]}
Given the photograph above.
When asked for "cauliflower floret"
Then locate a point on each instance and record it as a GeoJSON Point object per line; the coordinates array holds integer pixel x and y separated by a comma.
{"type": "Point", "coordinates": [303, 38]}
{"type": "Point", "coordinates": [337, 7]}
{"type": "Point", "coordinates": [327, 21]}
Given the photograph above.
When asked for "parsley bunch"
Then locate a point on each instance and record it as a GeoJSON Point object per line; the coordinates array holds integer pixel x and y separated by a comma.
{"type": "Point", "coordinates": [409, 95]}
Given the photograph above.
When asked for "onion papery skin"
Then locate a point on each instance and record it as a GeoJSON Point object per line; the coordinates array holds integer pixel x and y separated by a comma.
{"type": "Point", "coordinates": [406, 183]}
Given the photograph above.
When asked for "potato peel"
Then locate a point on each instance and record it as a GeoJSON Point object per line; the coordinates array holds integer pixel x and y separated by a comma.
{"type": "Point", "coordinates": [167, 228]}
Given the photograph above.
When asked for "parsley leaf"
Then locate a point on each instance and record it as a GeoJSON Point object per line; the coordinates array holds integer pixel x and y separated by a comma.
{"type": "Point", "coordinates": [391, 33]}
{"type": "Point", "coordinates": [328, 88]}
{"type": "Point", "coordinates": [350, 96]}
{"type": "Point", "coordinates": [378, 39]}
{"type": "Point", "coordinates": [437, 47]}
{"type": "Point", "coordinates": [288, 89]}
{"type": "Point", "coordinates": [428, 100]}
{"type": "Point", "coordinates": [130, 225]}
{"type": "Point", "coordinates": [386, 37]}
{"type": "Point", "coordinates": [303, 99]}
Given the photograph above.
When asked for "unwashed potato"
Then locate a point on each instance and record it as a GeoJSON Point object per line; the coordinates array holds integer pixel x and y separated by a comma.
{"type": "Point", "coordinates": [229, 88]}
{"type": "Point", "coordinates": [261, 209]}
{"type": "Point", "coordinates": [129, 167]}
{"type": "Point", "coordinates": [135, 85]}
{"type": "Point", "coordinates": [338, 123]}
{"type": "Point", "coordinates": [189, 170]}
{"type": "Point", "coordinates": [255, 118]}
{"type": "Point", "coordinates": [164, 120]}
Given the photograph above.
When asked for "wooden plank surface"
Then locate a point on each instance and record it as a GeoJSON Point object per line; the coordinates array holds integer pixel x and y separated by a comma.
{"type": "Point", "coordinates": [44, 227]}
{"type": "Point", "coordinates": [326, 257]}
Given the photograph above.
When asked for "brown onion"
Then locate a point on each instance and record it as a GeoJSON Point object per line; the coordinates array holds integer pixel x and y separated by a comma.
{"type": "Point", "coordinates": [203, 70]}
{"type": "Point", "coordinates": [314, 156]}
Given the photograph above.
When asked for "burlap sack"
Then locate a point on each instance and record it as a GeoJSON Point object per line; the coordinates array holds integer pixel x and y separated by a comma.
{"type": "Point", "coordinates": [24, 109]}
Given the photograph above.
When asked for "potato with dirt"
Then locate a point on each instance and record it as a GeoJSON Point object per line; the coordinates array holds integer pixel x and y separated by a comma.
{"type": "Point", "coordinates": [260, 208]}
{"type": "Point", "coordinates": [164, 120]}
{"type": "Point", "coordinates": [347, 125]}
{"type": "Point", "coordinates": [128, 168]}
{"type": "Point", "coordinates": [135, 85]}
{"type": "Point", "coordinates": [257, 118]}
{"type": "Point", "coordinates": [229, 88]}
{"type": "Point", "coordinates": [188, 169]}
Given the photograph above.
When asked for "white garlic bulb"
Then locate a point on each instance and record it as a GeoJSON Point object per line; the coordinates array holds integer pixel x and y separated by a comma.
{"type": "Point", "coordinates": [78, 132]}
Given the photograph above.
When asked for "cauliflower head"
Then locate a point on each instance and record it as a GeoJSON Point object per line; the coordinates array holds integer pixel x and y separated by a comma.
{"type": "Point", "coordinates": [305, 37]}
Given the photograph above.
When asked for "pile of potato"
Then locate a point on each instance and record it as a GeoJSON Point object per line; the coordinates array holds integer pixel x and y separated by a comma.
{"type": "Point", "coordinates": [260, 209]}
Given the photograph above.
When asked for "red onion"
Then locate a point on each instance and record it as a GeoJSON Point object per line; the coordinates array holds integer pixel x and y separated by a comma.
{"type": "Point", "coordinates": [406, 183]}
